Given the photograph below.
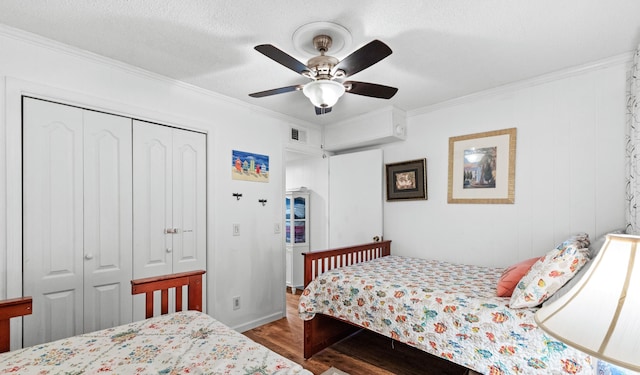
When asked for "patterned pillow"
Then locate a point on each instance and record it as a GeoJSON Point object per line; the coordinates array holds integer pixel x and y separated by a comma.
{"type": "Point", "coordinates": [551, 272]}
{"type": "Point", "coordinates": [594, 249]}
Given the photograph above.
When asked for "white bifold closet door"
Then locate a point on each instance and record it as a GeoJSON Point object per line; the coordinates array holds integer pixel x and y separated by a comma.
{"type": "Point", "coordinates": [169, 189]}
{"type": "Point", "coordinates": [77, 220]}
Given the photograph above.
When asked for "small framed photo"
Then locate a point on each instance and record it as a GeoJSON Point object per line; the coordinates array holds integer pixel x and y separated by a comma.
{"type": "Point", "coordinates": [482, 167]}
{"type": "Point", "coordinates": [407, 180]}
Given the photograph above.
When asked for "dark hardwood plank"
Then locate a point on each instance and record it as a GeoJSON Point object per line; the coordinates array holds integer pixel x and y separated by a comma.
{"type": "Point", "coordinates": [363, 353]}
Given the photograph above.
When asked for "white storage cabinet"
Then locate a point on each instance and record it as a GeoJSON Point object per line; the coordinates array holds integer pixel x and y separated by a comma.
{"type": "Point", "coordinates": [296, 236]}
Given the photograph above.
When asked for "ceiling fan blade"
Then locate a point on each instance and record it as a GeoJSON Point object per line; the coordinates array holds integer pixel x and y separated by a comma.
{"type": "Point", "coordinates": [281, 57]}
{"type": "Point", "coordinates": [280, 90]}
{"type": "Point", "coordinates": [370, 89]}
{"type": "Point", "coordinates": [322, 111]}
{"type": "Point", "coordinates": [364, 57]}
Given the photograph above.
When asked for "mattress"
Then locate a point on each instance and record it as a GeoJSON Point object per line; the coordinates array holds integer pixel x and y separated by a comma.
{"type": "Point", "coordinates": [188, 342]}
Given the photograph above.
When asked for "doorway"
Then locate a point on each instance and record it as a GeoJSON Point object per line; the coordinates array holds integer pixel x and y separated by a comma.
{"type": "Point", "coordinates": [308, 171]}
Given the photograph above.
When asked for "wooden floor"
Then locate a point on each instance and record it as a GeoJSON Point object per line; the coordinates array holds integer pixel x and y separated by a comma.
{"type": "Point", "coordinates": [363, 353]}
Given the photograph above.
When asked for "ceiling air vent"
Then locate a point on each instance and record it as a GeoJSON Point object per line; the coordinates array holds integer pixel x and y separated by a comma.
{"type": "Point", "coordinates": [298, 135]}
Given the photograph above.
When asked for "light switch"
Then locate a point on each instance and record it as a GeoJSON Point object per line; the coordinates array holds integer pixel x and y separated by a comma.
{"type": "Point", "coordinates": [276, 228]}
{"type": "Point", "coordinates": [236, 229]}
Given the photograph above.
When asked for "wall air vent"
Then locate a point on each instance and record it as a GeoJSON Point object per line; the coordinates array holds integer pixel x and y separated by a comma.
{"type": "Point", "coordinates": [298, 135]}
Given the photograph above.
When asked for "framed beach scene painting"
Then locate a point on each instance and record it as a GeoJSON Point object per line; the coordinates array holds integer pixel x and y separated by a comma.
{"type": "Point", "coordinates": [247, 166]}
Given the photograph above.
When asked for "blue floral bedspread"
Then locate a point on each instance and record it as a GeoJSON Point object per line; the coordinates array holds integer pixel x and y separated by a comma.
{"type": "Point", "coordinates": [449, 310]}
{"type": "Point", "coordinates": [187, 342]}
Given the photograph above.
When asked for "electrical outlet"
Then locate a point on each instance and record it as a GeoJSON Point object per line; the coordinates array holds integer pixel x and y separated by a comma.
{"type": "Point", "coordinates": [236, 302]}
{"type": "Point", "coordinates": [236, 229]}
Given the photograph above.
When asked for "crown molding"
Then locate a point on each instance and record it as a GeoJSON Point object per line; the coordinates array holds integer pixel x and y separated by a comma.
{"type": "Point", "coordinates": [42, 42]}
{"type": "Point", "coordinates": [624, 58]}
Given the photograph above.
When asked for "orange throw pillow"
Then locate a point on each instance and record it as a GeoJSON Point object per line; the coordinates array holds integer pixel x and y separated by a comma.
{"type": "Point", "coordinates": [512, 275]}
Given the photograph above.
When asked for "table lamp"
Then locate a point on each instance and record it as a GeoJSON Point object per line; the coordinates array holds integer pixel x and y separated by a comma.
{"type": "Point", "coordinates": [600, 315]}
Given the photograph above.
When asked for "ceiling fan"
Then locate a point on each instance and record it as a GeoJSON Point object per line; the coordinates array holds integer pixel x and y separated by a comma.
{"type": "Point", "coordinates": [324, 90]}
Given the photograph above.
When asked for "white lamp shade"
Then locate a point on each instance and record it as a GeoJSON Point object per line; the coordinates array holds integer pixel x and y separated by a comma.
{"type": "Point", "coordinates": [323, 93]}
{"type": "Point", "coordinates": [600, 315]}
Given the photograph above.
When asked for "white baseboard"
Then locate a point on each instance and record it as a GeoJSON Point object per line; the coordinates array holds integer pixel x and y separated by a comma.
{"type": "Point", "coordinates": [259, 322]}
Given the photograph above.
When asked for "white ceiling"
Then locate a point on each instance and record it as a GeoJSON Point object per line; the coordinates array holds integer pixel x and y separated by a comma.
{"type": "Point", "coordinates": [442, 49]}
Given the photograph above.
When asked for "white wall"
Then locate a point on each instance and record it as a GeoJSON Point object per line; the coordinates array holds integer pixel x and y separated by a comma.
{"type": "Point", "coordinates": [569, 168]}
{"type": "Point", "coordinates": [251, 265]}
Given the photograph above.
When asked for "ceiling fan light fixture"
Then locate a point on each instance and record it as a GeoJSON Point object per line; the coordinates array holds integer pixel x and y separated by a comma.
{"type": "Point", "coordinates": [323, 93]}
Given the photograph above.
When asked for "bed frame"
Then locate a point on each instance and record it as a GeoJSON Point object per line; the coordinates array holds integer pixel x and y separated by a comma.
{"type": "Point", "coordinates": [192, 279]}
{"type": "Point", "coordinates": [16, 307]}
{"type": "Point", "coordinates": [323, 330]}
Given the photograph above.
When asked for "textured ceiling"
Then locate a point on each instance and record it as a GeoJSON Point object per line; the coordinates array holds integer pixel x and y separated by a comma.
{"type": "Point", "coordinates": [442, 49]}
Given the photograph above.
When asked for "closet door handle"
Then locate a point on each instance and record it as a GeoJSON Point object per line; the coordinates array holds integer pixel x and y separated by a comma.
{"type": "Point", "coordinates": [88, 256]}
{"type": "Point", "coordinates": [169, 249]}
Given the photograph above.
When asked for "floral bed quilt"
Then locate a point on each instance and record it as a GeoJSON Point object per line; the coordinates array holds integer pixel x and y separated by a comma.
{"type": "Point", "coordinates": [187, 342]}
{"type": "Point", "coordinates": [449, 310]}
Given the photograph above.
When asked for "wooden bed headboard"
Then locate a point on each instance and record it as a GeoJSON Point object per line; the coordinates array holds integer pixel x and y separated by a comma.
{"type": "Point", "coordinates": [318, 262]}
{"type": "Point", "coordinates": [192, 279]}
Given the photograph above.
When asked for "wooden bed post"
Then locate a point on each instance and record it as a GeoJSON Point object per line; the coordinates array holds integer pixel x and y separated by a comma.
{"type": "Point", "coordinates": [323, 330]}
{"type": "Point", "coordinates": [11, 308]}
